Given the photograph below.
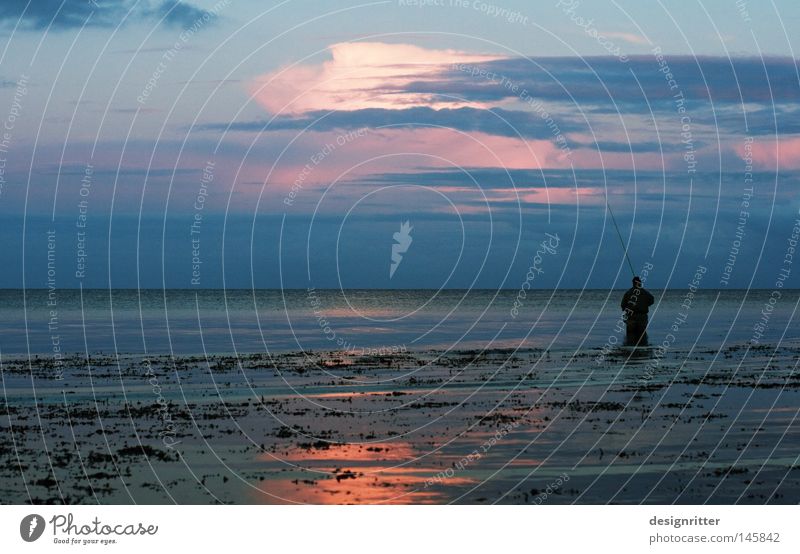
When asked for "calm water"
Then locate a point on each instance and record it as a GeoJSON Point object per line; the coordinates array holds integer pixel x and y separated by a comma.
{"type": "Point", "coordinates": [184, 322]}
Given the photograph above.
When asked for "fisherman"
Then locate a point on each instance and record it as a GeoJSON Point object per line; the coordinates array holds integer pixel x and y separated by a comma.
{"type": "Point", "coordinates": [635, 304]}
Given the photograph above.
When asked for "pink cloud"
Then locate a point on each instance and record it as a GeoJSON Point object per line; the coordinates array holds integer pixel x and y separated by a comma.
{"type": "Point", "coordinates": [632, 38]}
{"type": "Point", "coordinates": [783, 153]}
{"type": "Point", "coordinates": [398, 150]}
{"type": "Point", "coordinates": [359, 75]}
{"type": "Point", "coordinates": [405, 150]}
{"type": "Point", "coordinates": [476, 149]}
{"type": "Point", "coordinates": [528, 195]}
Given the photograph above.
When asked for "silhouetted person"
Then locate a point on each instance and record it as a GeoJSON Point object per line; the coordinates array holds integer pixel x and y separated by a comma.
{"type": "Point", "coordinates": [635, 304]}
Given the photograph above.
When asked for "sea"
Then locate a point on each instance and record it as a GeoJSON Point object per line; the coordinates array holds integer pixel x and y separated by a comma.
{"type": "Point", "coordinates": [189, 322]}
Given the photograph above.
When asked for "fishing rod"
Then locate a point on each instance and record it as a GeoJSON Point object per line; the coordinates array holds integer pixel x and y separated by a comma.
{"type": "Point", "coordinates": [624, 249]}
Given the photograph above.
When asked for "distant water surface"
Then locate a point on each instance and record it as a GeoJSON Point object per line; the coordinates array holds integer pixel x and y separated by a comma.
{"type": "Point", "coordinates": [216, 321]}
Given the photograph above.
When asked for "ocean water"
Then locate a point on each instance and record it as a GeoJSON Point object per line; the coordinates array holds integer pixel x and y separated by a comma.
{"type": "Point", "coordinates": [39, 322]}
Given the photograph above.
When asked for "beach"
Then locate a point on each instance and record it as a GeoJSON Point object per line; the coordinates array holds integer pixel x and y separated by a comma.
{"type": "Point", "coordinates": [687, 425]}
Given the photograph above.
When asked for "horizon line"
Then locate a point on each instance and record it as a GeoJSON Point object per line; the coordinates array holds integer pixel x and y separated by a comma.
{"type": "Point", "coordinates": [2, 289]}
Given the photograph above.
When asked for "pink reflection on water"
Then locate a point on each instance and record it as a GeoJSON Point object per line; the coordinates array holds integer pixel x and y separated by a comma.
{"type": "Point", "coordinates": [367, 473]}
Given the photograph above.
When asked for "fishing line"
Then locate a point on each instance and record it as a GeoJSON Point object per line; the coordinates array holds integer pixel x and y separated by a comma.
{"type": "Point", "coordinates": [624, 249]}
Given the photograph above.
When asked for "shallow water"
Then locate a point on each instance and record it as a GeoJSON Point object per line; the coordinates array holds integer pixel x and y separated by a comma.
{"type": "Point", "coordinates": [184, 322]}
{"type": "Point", "coordinates": [396, 397]}
{"type": "Point", "coordinates": [499, 426]}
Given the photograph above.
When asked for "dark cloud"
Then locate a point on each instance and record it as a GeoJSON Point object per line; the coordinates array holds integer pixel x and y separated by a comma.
{"type": "Point", "coordinates": [639, 185]}
{"type": "Point", "coordinates": [487, 178]}
{"type": "Point", "coordinates": [633, 147]}
{"type": "Point", "coordinates": [65, 14]}
{"type": "Point", "coordinates": [178, 14]}
{"type": "Point", "coordinates": [44, 13]}
{"type": "Point", "coordinates": [496, 121]}
{"type": "Point", "coordinates": [605, 81]}
{"type": "Point", "coordinates": [80, 169]}
{"type": "Point", "coordinates": [775, 119]}
{"type": "Point", "coordinates": [595, 94]}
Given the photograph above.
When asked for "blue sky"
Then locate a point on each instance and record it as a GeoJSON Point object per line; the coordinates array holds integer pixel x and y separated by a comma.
{"type": "Point", "coordinates": [240, 143]}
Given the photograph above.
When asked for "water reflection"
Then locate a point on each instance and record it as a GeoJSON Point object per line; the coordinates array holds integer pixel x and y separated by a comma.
{"type": "Point", "coordinates": [369, 473]}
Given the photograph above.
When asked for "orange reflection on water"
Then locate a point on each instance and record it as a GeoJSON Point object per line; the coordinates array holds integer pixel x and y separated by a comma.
{"type": "Point", "coordinates": [364, 452]}
{"type": "Point", "coordinates": [355, 486]}
{"type": "Point", "coordinates": [367, 473]}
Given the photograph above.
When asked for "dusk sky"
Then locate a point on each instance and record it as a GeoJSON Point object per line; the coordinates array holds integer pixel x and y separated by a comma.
{"type": "Point", "coordinates": [242, 143]}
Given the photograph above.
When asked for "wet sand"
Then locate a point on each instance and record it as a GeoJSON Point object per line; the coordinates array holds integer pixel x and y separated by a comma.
{"type": "Point", "coordinates": [495, 426]}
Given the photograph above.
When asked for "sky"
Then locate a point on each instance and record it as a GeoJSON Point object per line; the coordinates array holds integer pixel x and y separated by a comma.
{"type": "Point", "coordinates": [398, 144]}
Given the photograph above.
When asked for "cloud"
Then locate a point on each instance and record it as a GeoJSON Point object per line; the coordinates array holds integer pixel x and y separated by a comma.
{"type": "Point", "coordinates": [605, 80]}
{"type": "Point", "coordinates": [177, 13]}
{"type": "Point", "coordinates": [499, 187]}
{"type": "Point", "coordinates": [633, 146]}
{"type": "Point", "coordinates": [491, 177]}
{"type": "Point", "coordinates": [359, 75]}
{"type": "Point", "coordinates": [67, 14]}
{"type": "Point", "coordinates": [496, 121]}
{"type": "Point", "coordinates": [764, 119]}
{"type": "Point", "coordinates": [508, 112]}
{"type": "Point", "coordinates": [631, 38]}
{"type": "Point", "coordinates": [629, 112]}
{"type": "Point", "coordinates": [782, 154]}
